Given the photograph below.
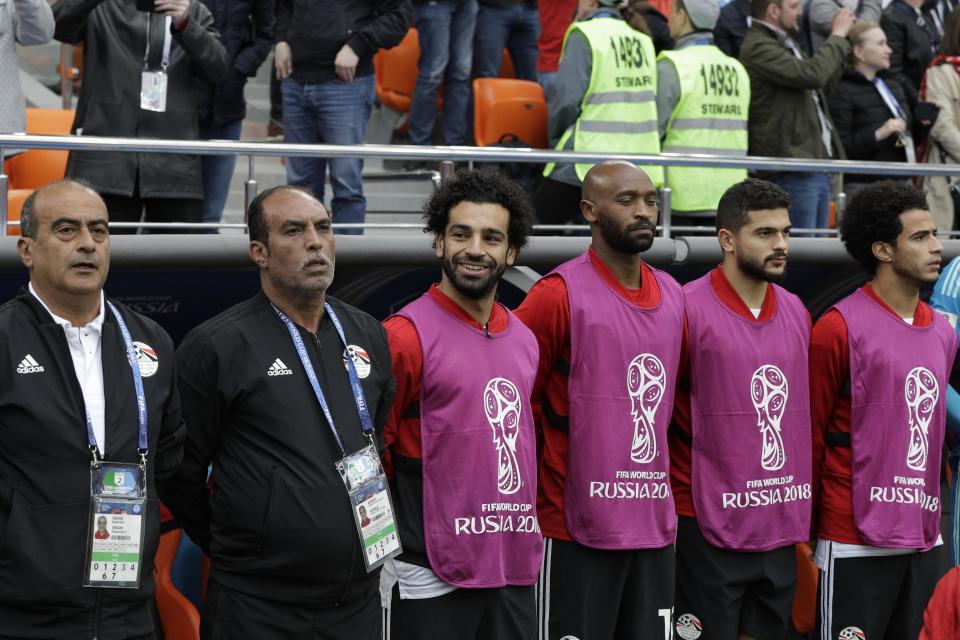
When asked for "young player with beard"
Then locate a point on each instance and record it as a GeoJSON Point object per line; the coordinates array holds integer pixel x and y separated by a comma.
{"type": "Point", "coordinates": [460, 438]}
{"type": "Point", "coordinates": [880, 362]}
{"type": "Point", "coordinates": [740, 440]}
{"type": "Point", "coordinates": [609, 328]}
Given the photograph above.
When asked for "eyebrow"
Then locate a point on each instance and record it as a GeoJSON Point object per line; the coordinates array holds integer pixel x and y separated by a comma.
{"type": "Point", "coordinates": [66, 220]}
{"type": "Point", "coordinates": [487, 230]}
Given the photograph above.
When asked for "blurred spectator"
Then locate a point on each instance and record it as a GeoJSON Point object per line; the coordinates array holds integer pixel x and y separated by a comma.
{"type": "Point", "coordinates": [869, 109]}
{"type": "Point", "coordinates": [732, 27]}
{"type": "Point", "coordinates": [140, 73]}
{"type": "Point", "coordinates": [913, 37]}
{"type": "Point", "coordinates": [941, 86]}
{"type": "Point", "coordinates": [822, 12]}
{"type": "Point", "coordinates": [939, 12]}
{"type": "Point", "coordinates": [514, 24]}
{"type": "Point", "coordinates": [941, 618]}
{"type": "Point", "coordinates": [602, 99]}
{"type": "Point", "coordinates": [324, 57]}
{"type": "Point", "coordinates": [555, 17]}
{"type": "Point", "coordinates": [446, 29]}
{"type": "Point", "coordinates": [703, 98]}
{"type": "Point", "coordinates": [788, 108]}
{"type": "Point", "coordinates": [643, 16]}
{"type": "Point", "coordinates": [246, 30]}
{"type": "Point", "coordinates": [22, 22]}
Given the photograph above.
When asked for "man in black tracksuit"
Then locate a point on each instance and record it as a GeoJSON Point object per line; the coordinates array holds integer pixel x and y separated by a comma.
{"type": "Point", "coordinates": [62, 355]}
{"type": "Point", "coordinates": [277, 523]}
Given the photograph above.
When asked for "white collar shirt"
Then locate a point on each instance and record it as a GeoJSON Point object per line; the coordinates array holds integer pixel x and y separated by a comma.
{"type": "Point", "coordinates": [84, 345]}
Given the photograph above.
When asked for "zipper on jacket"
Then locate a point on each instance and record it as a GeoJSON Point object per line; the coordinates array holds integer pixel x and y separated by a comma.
{"type": "Point", "coordinates": [96, 614]}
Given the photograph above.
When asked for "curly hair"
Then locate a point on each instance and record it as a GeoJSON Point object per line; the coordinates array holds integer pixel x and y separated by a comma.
{"type": "Point", "coordinates": [873, 215]}
{"type": "Point", "coordinates": [748, 195]}
{"type": "Point", "coordinates": [481, 187]}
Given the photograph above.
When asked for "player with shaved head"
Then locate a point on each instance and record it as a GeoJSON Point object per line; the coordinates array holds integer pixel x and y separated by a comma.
{"type": "Point", "coordinates": [740, 441]}
{"type": "Point", "coordinates": [609, 328]}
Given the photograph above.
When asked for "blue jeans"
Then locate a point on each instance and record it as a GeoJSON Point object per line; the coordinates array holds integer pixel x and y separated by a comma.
{"type": "Point", "coordinates": [446, 53]}
{"type": "Point", "coordinates": [217, 171]}
{"type": "Point", "coordinates": [517, 28]}
{"type": "Point", "coordinates": [809, 198]}
{"type": "Point", "coordinates": [546, 78]}
{"type": "Point", "coordinates": [332, 112]}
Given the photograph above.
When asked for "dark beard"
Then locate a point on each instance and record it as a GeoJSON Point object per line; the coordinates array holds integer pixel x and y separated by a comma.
{"type": "Point", "coordinates": [756, 270]}
{"type": "Point", "coordinates": [619, 239]}
{"type": "Point", "coordinates": [475, 289]}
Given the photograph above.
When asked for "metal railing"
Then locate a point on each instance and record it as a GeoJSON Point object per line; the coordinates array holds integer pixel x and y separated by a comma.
{"type": "Point", "coordinates": [445, 157]}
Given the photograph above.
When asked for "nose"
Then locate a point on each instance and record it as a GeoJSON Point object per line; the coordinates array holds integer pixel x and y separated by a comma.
{"type": "Point", "coordinates": [782, 241]}
{"type": "Point", "coordinates": [313, 238]}
{"type": "Point", "coordinates": [85, 240]}
{"type": "Point", "coordinates": [937, 245]}
{"type": "Point", "coordinates": [475, 248]}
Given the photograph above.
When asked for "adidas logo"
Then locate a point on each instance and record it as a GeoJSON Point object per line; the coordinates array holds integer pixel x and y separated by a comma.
{"type": "Point", "coordinates": [29, 365]}
{"type": "Point", "coordinates": [276, 369]}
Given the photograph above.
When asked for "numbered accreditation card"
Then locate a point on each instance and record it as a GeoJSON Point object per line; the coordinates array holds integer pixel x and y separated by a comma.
{"type": "Point", "coordinates": [372, 507]}
{"type": "Point", "coordinates": [116, 528]}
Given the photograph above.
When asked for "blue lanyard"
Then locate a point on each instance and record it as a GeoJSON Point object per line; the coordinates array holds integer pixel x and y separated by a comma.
{"type": "Point", "coordinates": [358, 396]}
{"type": "Point", "coordinates": [137, 385]}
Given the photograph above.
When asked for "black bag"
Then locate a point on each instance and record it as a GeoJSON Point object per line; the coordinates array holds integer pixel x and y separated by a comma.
{"type": "Point", "coordinates": [525, 174]}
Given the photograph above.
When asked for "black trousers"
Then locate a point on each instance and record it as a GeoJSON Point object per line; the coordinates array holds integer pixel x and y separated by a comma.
{"type": "Point", "coordinates": [557, 203]}
{"type": "Point", "coordinates": [505, 613]}
{"type": "Point", "coordinates": [134, 208]}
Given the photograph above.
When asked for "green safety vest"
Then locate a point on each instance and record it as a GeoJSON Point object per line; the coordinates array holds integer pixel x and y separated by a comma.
{"type": "Point", "coordinates": [618, 113]}
{"type": "Point", "coordinates": [711, 117]}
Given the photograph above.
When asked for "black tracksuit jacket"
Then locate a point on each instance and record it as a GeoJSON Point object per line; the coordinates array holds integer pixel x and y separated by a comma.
{"type": "Point", "coordinates": [45, 473]}
{"type": "Point", "coordinates": [277, 523]}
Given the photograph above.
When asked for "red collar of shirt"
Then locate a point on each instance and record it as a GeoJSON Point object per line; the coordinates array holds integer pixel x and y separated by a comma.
{"type": "Point", "coordinates": [499, 320]}
{"type": "Point", "coordinates": [643, 296]}
{"type": "Point", "coordinates": [729, 296]}
{"type": "Point", "coordinates": [922, 315]}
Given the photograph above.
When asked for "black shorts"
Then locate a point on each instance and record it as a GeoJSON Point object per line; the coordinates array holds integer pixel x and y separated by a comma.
{"type": "Point", "coordinates": [722, 594]}
{"type": "Point", "coordinates": [882, 597]}
{"type": "Point", "coordinates": [505, 613]}
{"type": "Point", "coordinates": [593, 594]}
{"type": "Point", "coordinates": [229, 614]}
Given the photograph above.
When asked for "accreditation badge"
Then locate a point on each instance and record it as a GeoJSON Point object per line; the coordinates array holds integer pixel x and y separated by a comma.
{"type": "Point", "coordinates": [371, 504]}
{"type": "Point", "coordinates": [116, 526]}
{"type": "Point", "coordinates": [153, 91]}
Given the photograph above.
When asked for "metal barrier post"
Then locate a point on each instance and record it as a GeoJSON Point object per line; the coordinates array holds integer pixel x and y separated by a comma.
{"type": "Point", "coordinates": [4, 191]}
{"type": "Point", "coordinates": [446, 169]}
{"type": "Point", "coordinates": [249, 188]}
{"type": "Point", "coordinates": [666, 214]}
{"type": "Point", "coordinates": [66, 76]}
{"type": "Point", "coordinates": [841, 205]}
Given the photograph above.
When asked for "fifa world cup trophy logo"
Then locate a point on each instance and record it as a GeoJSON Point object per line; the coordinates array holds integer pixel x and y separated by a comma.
{"type": "Point", "coordinates": [921, 392]}
{"type": "Point", "coordinates": [646, 379]}
{"type": "Point", "coordinates": [768, 390]}
{"type": "Point", "coordinates": [501, 402]}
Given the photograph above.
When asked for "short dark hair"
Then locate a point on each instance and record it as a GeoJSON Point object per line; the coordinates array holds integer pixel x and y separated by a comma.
{"type": "Point", "coordinates": [28, 213]}
{"type": "Point", "coordinates": [256, 221]}
{"type": "Point", "coordinates": [873, 215]}
{"type": "Point", "coordinates": [482, 187]}
{"type": "Point", "coordinates": [733, 211]}
{"type": "Point", "coordinates": [758, 8]}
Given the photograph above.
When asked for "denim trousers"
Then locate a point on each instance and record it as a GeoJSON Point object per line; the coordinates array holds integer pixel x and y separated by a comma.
{"type": "Point", "coordinates": [516, 27]}
{"type": "Point", "coordinates": [217, 170]}
{"type": "Point", "coordinates": [333, 112]}
{"type": "Point", "coordinates": [809, 198]}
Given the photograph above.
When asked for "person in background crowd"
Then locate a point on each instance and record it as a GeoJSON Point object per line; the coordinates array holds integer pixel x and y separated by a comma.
{"type": "Point", "coordinates": [76, 369]}
{"type": "Point", "coordinates": [471, 427]}
{"type": "Point", "coordinates": [822, 12]}
{"type": "Point", "coordinates": [246, 30]}
{"type": "Point", "coordinates": [22, 22]}
{"type": "Point", "coordinates": [125, 49]}
{"type": "Point", "coordinates": [869, 108]}
{"type": "Point", "coordinates": [880, 362]}
{"type": "Point", "coordinates": [941, 620]}
{"type": "Point", "coordinates": [912, 35]}
{"type": "Point", "coordinates": [741, 418]}
{"type": "Point", "coordinates": [275, 393]}
{"type": "Point", "coordinates": [941, 86]}
{"type": "Point", "coordinates": [446, 29]}
{"type": "Point", "coordinates": [732, 27]}
{"type": "Point", "coordinates": [643, 16]}
{"type": "Point", "coordinates": [555, 17]}
{"type": "Point", "coordinates": [324, 56]}
{"type": "Point", "coordinates": [695, 80]}
{"type": "Point", "coordinates": [946, 300]}
{"type": "Point", "coordinates": [789, 116]}
{"type": "Point", "coordinates": [514, 24]}
{"type": "Point", "coordinates": [610, 329]}
{"type": "Point", "coordinates": [598, 102]}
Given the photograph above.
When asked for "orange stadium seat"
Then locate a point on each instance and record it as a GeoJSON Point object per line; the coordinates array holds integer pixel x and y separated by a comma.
{"type": "Point", "coordinates": [506, 66]}
{"type": "Point", "coordinates": [804, 611]}
{"type": "Point", "coordinates": [178, 617]}
{"type": "Point", "coordinates": [502, 106]}
{"type": "Point", "coordinates": [395, 73]}
{"type": "Point", "coordinates": [15, 200]}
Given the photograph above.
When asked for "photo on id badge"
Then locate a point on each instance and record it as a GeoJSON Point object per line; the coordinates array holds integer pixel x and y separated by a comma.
{"type": "Point", "coordinates": [115, 541]}
{"type": "Point", "coordinates": [374, 516]}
